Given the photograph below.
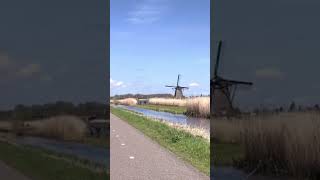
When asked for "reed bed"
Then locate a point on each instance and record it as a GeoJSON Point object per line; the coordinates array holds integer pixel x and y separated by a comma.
{"type": "Point", "coordinates": [60, 127]}
{"type": "Point", "coordinates": [198, 106]}
{"type": "Point", "coordinates": [287, 143]}
{"type": "Point", "coordinates": [5, 125]}
{"type": "Point", "coordinates": [168, 101]}
{"type": "Point", "coordinates": [127, 101]}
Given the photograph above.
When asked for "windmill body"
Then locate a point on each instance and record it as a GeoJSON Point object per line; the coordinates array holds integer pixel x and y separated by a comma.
{"type": "Point", "coordinates": [223, 91]}
{"type": "Point", "coordinates": [178, 90]}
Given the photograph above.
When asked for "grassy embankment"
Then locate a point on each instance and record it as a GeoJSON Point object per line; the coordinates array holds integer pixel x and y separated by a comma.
{"type": "Point", "coordinates": [195, 150]}
{"type": "Point", "coordinates": [40, 165]}
{"type": "Point", "coordinates": [282, 144]}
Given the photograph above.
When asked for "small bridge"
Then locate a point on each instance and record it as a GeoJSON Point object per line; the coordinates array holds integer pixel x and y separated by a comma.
{"type": "Point", "coordinates": [98, 127]}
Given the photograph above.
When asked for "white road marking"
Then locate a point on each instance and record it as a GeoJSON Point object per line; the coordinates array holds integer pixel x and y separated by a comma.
{"type": "Point", "coordinates": [123, 144]}
{"type": "Point", "coordinates": [117, 135]}
{"type": "Point", "coordinates": [113, 130]}
{"type": "Point", "coordinates": [131, 157]}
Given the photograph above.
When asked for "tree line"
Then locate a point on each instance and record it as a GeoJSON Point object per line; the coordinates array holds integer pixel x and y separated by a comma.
{"type": "Point", "coordinates": [33, 112]}
{"type": "Point", "coordinates": [293, 107]}
{"type": "Point", "coordinates": [141, 96]}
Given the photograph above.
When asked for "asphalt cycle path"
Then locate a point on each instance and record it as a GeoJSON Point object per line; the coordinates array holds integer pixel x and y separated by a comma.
{"type": "Point", "coordinates": [134, 156]}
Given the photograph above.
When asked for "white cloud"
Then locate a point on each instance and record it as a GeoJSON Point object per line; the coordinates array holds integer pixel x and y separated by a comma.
{"type": "Point", "coordinates": [269, 73]}
{"type": "Point", "coordinates": [115, 84]}
{"type": "Point", "coordinates": [194, 84]}
{"type": "Point", "coordinates": [147, 12]}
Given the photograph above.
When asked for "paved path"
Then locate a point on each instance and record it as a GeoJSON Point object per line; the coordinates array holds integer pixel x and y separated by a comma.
{"type": "Point", "coordinates": [136, 157]}
{"type": "Point", "coordinates": [7, 172]}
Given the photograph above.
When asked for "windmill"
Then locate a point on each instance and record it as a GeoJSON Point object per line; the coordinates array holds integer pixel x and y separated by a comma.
{"type": "Point", "coordinates": [223, 90]}
{"type": "Point", "coordinates": [178, 89]}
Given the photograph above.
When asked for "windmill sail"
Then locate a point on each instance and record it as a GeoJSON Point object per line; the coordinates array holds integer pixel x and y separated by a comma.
{"type": "Point", "coordinates": [222, 90]}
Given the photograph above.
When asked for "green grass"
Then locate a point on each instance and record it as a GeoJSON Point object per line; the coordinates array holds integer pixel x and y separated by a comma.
{"type": "Point", "coordinates": [195, 150]}
{"type": "Point", "coordinates": [38, 165]}
{"type": "Point", "coordinates": [225, 154]}
{"type": "Point", "coordinates": [164, 108]}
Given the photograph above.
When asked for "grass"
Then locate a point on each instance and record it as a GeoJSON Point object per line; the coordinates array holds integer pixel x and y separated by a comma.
{"type": "Point", "coordinates": [225, 154]}
{"type": "Point", "coordinates": [38, 165]}
{"type": "Point", "coordinates": [283, 144]}
{"type": "Point", "coordinates": [193, 149]}
{"type": "Point", "coordinates": [165, 108]}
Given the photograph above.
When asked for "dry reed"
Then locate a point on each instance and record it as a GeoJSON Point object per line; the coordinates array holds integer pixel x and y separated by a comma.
{"type": "Point", "coordinates": [127, 101]}
{"type": "Point", "coordinates": [5, 125]}
{"type": "Point", "coordinates": [198, 106]}
{"type": "Point", "coordinates": [60, 127]}
{"type": "Point", "coordinates": [168, 101]}
{"type": "Point", "coordinates": [287, 143]}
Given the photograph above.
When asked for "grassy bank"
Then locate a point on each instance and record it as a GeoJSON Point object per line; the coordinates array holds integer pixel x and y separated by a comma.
{"type": "Point", "coordinates": [226, 154]}
{"type": "Point", "coordinates": [39, 165]}
{"type": "Point", "coordinates": [165, 108]}
{"type": "Point", "coordinates": [195, 150]}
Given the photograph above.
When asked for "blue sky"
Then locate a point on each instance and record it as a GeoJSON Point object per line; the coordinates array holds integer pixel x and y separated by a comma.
{"type": "Point", "coordinates": [152, 41]}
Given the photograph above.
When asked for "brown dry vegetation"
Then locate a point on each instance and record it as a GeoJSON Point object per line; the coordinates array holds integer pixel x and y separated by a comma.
{"type": "Point", "coordinates": [287, 143]}
{"type": "Point", "coordinates": [60, 127]}
{"type": "Point", "coordinates": [196, 106]}
{"type": "Point", "coordinates": [5, 125]}
{"type": "Point", "coordinates": [168, 101]}
{"type": "Point", "coordinates": [127, 101]}
{"type": "Point", "coordinates": [199, 106]}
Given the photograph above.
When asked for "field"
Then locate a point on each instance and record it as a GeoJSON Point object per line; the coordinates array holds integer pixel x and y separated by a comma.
{"type": "Point", "coordinates": [191, 148]}
{"type": "Point", "coordinates": [195, 106]}
{"type": "Point", "coordinates": [278, 144]}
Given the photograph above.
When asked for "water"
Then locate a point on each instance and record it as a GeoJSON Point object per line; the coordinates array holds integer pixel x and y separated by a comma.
{"type": "Point", "coordinates": [174, 118]}
{"type": "Point", "coordinates": [83, 151]}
